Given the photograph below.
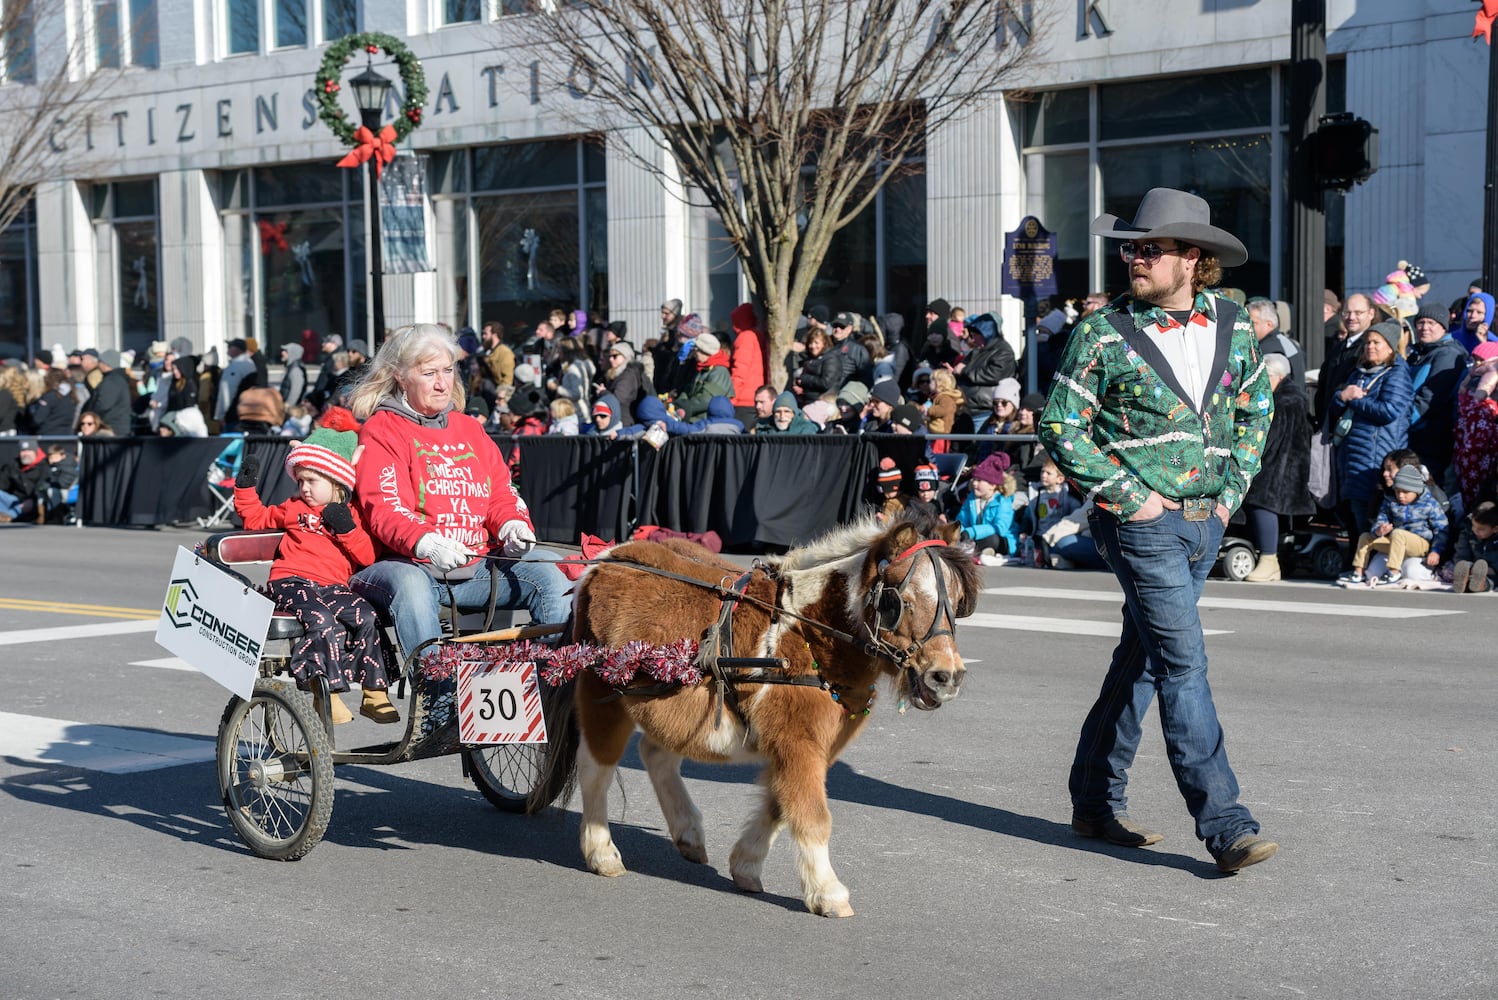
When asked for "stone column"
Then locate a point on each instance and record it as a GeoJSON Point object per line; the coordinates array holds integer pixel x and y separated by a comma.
{"type": "Point", "coordinates": [65, 269]}
{"type": "Point", "coordinates": [648, 233]}
{"type": "Point", "coordinates": [193, 279]}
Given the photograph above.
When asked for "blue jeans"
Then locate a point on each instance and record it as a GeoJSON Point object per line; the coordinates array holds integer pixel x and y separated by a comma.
{"type": "Point", "coordinates": [413, 599]}
{"type": "Point", "coordinates": [10, 504]}
{"type": "Point", "coordinates": [1161, 565]}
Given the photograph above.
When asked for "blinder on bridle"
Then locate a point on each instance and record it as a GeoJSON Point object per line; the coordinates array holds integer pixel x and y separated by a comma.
{"type": "Point", "coordinates": [889, 604]}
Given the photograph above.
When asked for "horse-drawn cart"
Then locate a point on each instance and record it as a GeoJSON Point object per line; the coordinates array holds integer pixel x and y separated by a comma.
{"type": "Point", "coordinates": [277, 751]}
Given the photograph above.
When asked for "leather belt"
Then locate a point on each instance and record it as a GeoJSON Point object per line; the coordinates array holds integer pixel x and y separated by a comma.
{"type": "Point", "coordinates": [1198, 508]}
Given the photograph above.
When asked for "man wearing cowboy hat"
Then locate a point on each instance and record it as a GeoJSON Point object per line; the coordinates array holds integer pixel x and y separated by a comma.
{"type": "Point", "coordinates": [1159, 412]}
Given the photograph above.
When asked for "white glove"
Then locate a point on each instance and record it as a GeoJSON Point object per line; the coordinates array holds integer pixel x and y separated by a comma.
{"type": "Point", "coordinates": [517, 538]}
{"type": "Point", "coordinates": [443, 553]}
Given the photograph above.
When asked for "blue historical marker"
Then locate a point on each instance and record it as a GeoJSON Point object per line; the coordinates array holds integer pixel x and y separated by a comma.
{"type": "Point", "coordinates": [1029, 260]}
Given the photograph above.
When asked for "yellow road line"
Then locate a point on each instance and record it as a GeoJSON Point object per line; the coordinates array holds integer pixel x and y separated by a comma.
{"type": "Point", "coordinates": [65, 608]}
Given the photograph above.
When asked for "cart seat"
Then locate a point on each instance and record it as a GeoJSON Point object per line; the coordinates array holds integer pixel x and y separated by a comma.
{"type": "Point", "coordinates": [284, 627]}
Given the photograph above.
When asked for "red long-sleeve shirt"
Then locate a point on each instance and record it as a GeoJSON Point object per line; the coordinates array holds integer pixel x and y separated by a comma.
{"type": "Point", "coordinates": [309, 550]}
{"type": "Point", "coordinates": [417, 478]}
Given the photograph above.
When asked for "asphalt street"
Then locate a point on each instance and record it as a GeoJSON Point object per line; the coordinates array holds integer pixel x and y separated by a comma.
{"type": "Point", "coordinates": [1361, 726]}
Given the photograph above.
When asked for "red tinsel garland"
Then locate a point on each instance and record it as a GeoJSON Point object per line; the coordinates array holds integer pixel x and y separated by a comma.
{"type": "Point", "coordinates": [673, 663]}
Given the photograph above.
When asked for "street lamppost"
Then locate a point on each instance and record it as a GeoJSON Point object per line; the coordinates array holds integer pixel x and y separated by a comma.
{"type": "Point", "coordinates": [370, 91]}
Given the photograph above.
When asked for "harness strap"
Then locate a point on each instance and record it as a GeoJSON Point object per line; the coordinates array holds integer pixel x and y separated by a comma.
{"type": "Point", "coordinates": [929, 543]}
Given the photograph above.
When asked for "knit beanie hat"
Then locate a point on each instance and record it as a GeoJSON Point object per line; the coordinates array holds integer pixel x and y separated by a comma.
{"type": "Point", "coordinates": [992, 468]}
{"type": "Point", "coordinates": [624, 349]}
{"type": "Point", "coordinates": [1008, 388]}
{"type": "Point", "coordinates": [1034, 402]}
{"type": "Point", "coordinates": [1431, 310]}
{"type": "Point", "coordinates": [1485, 350]}
{"type": "Point", "coordinates": [927, 474]}
{"type": "Point", "coordinates": [1408, 479]}
{"type": "Point", "coordinates": [328, 452]}
{"type": "Point", "coordinates": [908, 417]}
{"type": "Point", "coordinates": [889, 473]}
{"type": "Point", "coordinates": [853, 393]}
{"type": "Point", "coordinates": [707, 343]}
{"type": "Point", "coordinates": [690, 327]}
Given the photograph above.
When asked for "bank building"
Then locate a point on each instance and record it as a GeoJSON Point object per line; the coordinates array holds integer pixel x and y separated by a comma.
{"type": "Point", "coordinates": [202, 199]}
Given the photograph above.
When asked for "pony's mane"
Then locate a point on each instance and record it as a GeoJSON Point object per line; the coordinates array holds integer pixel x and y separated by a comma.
{"type": "Point", "coordinates": [854, 538]}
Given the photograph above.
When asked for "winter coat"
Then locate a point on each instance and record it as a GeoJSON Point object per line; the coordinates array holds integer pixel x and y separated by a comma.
{"type": "Point", "coordinates": [986, 366]}
{"type": "Point", "coordinates": [23, 481]}
{"type": "Point", "coordinates": [1285, 469]}
{"type": "Point", "coordinates": [577, 383]}
{"type": "Point", "coordinates": [1424, 517]}
{"type": "Point", "coordinates": [751, 349]}
{"type": "Point", "coordinates": [628, 386]}
{"type": "Point", "coordinates": [713, 379]}
{"type": "Point", "coordinates": [719, 419]}
{"type": "Point", "coordinates": [995, 519]}
{"type": "Point", "coordinates": [52, 414]}
{"type": "Point", "coordinates": [111, 400]}
{"type": "Point", "coordinates": [1380, 424]}
{"type": "Point", "coordinates": [942, 415]}
{"type": "Point", "coordinates": [10, 412]}
{"type": "Point", "coordinates": [294, 382]}
{"type": "Point", "coordinates": [1469, 547]}
{"type": "Point", "coordinates": [799, 425]}
{"type": "Point", "coordinates": [820, 374]}
{"type": "Point", "coordinates": [1436, 372]}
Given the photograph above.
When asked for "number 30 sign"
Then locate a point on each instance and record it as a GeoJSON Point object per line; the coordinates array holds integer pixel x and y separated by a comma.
{"type": "Point", "coordinates": [499, 703]}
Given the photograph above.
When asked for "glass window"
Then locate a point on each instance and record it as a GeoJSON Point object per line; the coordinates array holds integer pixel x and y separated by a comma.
{"type": "Point", "coordinates": [18, 285]}
{"type": "Point", "coordinates": [140, 306]}
{"type": "Point", "coordinates": [1218, 102]}
{"type": "Point", "coordinates": [135, 199]}
{"type": "Point", "coordinates": [304, 271]}
{"type": "Point", "coordinates": [449, 171]}
{"type": "Point", "coordinates": [525, 165]}
{"type": "Point", "coordinates": [451, 217]}
{"type": "Point", "coordinates": [301, 184]}
{"type": "Point", "coordinates": [594, 168]}
{"type": "Point", "coordinates": [903, 203]}
{"type": "Point", "coordinates": [1054, 117]}
{"type": "Point", "coordinates": [107, 33]}
{"type": "Point", "coordinates": [596, 203]}
{"type": "Point", "coordinates": [145, 48]}
{"type": "Point", "coordinates": [240, 245]}
{"type": "Point", "coordinates": [291, 23]}
{"type": "Point", "coordinates": [1232, 173]}
{"type": "Point", "coordinates": [243, 25]}
{"type": "Point", "coordinates": [1056, 188]}
{"type": "Point", "coordinates": [20, 44]}
{"type": "Point", "coordinates": [339, 18]}
{"type": "Point", "coordinates": [459, 11]}
{"type": "Point", "coordinates": [529, 254]}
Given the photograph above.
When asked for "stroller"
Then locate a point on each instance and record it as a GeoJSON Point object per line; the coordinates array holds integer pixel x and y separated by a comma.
{"type": "Point", "coordinates": [221, 474]}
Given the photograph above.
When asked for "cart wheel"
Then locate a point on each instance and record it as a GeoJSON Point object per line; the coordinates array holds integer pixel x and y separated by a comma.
{"type": "Point", "coordinates": [506, 772]}
{"type": "Point", "coordinates": [1237, 562]}
{"type": "Point", "coordinates": [275, 770]}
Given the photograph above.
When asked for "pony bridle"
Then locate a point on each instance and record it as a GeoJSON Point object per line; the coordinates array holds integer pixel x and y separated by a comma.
{"type": "Point", "coordinates": [888, 604]}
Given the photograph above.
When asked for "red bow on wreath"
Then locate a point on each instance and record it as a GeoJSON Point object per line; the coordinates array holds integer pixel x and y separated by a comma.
{"type": "Point", "coordinates": [367, 144]}
{"type": "Point", "coordinates": [272, 236]}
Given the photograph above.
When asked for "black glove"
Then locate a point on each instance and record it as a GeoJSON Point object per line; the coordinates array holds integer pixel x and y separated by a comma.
{"type": "Point", "coordinates": [337, 518]}
{"type": "Point", "coordinates": [249, 473]}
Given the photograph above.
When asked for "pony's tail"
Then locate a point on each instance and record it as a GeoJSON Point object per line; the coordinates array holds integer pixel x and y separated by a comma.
{"type": "Point", "coordinates": [559, 772]}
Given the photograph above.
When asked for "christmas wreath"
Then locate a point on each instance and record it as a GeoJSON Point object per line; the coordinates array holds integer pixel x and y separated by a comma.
{"type": "Point", "coordinates": [330, 83]}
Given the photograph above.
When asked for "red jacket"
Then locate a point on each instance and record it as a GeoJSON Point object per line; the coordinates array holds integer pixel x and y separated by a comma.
{"type": "Point", "coordinates": [750, 348]}
{"type": "Point", "coordinates": [309, 550]}
{"type": "Point", "coordinates": [417, 478]}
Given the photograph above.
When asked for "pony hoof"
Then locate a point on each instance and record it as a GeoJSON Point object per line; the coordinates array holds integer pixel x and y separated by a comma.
{"type": "Point", "coordinates": [609, 867]}
{"type": "Point", "coordinates": [834, 910]}
{"type": "Point", "coordinates": [693, 852]}
{"type": "Point", "coordinates": [748, 882]}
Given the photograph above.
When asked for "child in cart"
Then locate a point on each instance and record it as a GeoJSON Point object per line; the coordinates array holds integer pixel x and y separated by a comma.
{"type": "Point", "coordinates": [324, 545]}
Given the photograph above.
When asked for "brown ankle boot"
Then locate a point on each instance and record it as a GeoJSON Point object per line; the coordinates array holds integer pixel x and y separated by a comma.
{"type": "Point", "coordinates": [338, 711]}
{"type": "Point", "coordinates": [376, 705]}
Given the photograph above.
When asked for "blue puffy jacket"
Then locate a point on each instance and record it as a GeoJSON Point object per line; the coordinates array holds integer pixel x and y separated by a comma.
{"type": "Point", "coordinates": [1380, 424]}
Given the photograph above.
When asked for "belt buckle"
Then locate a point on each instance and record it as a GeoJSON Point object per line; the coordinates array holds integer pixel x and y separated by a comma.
{"type": "Point", "coordinates": [1197, 508]}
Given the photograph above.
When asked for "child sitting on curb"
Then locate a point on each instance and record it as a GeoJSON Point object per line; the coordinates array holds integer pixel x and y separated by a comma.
{"type": "Point", "coordinates": [1050, 501]}
{"type": "Point", "coordinates": [324, 545]}
{"type": "Point", "coordinates": [1475, 570]}
{"type": "Point", "coordinates": [987, 515]}
{"type": "Point", "coordinates": [1409, 523]}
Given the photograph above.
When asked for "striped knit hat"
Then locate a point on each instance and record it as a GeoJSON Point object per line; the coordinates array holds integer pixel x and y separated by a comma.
{"type": "Point", "coordinates": [328, 452]}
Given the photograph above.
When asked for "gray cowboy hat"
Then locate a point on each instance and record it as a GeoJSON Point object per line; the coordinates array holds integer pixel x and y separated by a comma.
{"type": "Point", "coordinates": [1165, 213]}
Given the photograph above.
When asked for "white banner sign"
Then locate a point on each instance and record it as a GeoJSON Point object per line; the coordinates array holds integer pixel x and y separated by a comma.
{"type": "Point", "coordinates": [499, 703]}
{"type": "Point", "coordinates": [214, 622]}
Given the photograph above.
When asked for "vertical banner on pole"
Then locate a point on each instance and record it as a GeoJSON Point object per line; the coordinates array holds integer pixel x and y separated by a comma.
{"type": "Point", "coordinates": [403, 217]}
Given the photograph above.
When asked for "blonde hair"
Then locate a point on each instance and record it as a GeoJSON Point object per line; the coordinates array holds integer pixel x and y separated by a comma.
{"type": "Point", "coordinates": [943, 379]}
{"type": "Point", "coordinates": [1011, 485]}
{"type": "Point", "coordinates": [13, 381]}
{"type": "Point", "coordinates": [402, 351]}
{"type": "Point", "coordinates": [561, 408]}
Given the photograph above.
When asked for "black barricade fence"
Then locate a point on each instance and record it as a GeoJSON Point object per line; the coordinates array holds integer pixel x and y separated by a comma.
{"type": "Point", "coordinates": [146, 481]}
{"type": "Point", "coordinates": [766, 491]}
{"type": "Point", "coordinates": [752, 491]}
{"type": "Point", "coordinates": [577, 484]}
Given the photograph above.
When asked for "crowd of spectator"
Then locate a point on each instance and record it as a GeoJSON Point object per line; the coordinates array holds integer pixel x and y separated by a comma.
{"type": "Point", "coordinates": [1401, 376]}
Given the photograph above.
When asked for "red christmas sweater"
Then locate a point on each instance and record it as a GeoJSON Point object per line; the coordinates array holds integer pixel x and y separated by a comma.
{"type": "Point", "coordinates": [415, 478]}
{"type": "Point", "coordinates": [308, 550]}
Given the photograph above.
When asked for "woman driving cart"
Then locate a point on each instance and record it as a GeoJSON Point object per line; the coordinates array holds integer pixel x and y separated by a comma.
{"type": "Point", "coordinates": [436, 496]}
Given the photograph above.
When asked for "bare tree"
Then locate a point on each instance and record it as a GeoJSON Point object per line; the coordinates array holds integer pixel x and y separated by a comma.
{"type": "Point", "coordinates": [787, 117]}
{"type": "Point", "coordinates": [49, 82]}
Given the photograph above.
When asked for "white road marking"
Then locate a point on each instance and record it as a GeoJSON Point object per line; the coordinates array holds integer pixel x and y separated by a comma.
{"type": "Point", "coordinates": [109, 749]}
{"type": "Point", "coordinates": [1235, 603]}
{"type": "Point", "coordinates": [64, 633]}
{"type": "Point", "coordinates": [166, 663]}
{"type": "Point", "coordinates": [1055, 626]}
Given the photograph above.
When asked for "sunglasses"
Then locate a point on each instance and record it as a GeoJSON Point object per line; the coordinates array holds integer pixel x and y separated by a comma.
{"type": "Point", "coordinates": [1150, 252]}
